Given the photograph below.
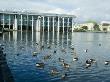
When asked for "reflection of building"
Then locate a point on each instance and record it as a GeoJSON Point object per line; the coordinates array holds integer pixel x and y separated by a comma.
{"type": "Point", "coordinates": [90, 26]}
{"type": "Point", "coordinates": [36, 21]}
{"type": "Point", "coordinates": [105, 26]}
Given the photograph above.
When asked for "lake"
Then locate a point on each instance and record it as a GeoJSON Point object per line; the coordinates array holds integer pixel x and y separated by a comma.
{"type": "Point", "coordinates": [20, 47]}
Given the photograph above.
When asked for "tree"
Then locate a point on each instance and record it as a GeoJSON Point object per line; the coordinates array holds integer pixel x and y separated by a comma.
{"type": "Point", "coordinates": [84, 27]}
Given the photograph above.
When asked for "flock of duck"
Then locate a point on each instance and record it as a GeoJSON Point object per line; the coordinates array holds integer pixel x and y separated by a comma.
{"type": "Point", "coordinates": [64, 64]}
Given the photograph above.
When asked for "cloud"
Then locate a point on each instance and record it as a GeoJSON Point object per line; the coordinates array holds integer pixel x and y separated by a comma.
{"type": "Point", "coordinates": [83, 9]}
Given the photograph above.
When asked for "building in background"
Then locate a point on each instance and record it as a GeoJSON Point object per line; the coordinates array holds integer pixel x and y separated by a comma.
{"type": "Point", "coordinates": [33, 21]}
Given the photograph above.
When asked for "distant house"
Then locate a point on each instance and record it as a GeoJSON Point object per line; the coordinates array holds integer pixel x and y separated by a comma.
{"type": "Point", "coordinates": [105, 26]}
{"type": "Point", "coordinates": [88, 26]}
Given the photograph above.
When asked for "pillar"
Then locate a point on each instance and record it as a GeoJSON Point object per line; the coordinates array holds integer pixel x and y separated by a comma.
{"type": "Point", "coordinates": [72, 24]}
{"type": "Point", "coordinates": [53, 25]}
{"type": "Point", "coordinates": [9, 21]}
{"type": "Point", "coordinates": [68, 25]}
{"type": "Point", "coordinates": [3, 20]}
{"type": "Point", "coordinates": [43, 24]}
{"type": "Point", "coordinates": [15, 23]}
{"type": "Point", "coordinates": [38, 24]}
{"type": "Point", "coordinates": [21, 23]}
{"type": "Point", "coordinates": [68, 22]}
{"type": "Point", "coordinates": [32, 23]}
{"type": "Point", "coordinates": [48, 24]}
{"type": "Point", "coordinates": [63, 25]}
{"type": "Point", "coordinates": [58, 26]}
{"type": "Point", "coordinates": [27, 24]}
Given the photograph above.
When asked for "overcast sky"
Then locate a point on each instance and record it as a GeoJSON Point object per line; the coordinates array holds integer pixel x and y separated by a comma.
{"type": "Point", "coordinates": [84, 9]}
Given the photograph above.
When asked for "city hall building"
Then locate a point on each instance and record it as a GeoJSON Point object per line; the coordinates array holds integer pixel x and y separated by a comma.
{"type": "Point", "coordinates": [32, 21]}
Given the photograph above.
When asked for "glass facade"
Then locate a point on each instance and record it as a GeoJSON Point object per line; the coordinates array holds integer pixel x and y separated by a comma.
{"type": "Point", "coordinates": [25, 21]}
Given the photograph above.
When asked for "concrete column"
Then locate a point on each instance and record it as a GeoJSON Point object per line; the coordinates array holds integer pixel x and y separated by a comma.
{"type": "Point", "coordinates": [72, 24]}
{"type": "Point", "coordinates": [68, 25]}
{"type": "Point", "coordinates": [9, 36]}
{"type": "Point", "coordinates": [15, 23]}
{"type": "Point", "coordinates": [48, 24]}
{"type": "Point", "coordinates": [63, 25]}
{"type": "Point", "coordinates": [32, 23]}
{"type": "Point", "coordinates": [53, 25]}
{"type": "Point", "coordinates": [37, 25]}
{"type": "Point", "coordinates": [27, 23]}
{"type": "Point", "coordinates": [21, 23]}
{"type": "Point", "coordinates": [68, 22]}
{"type": "Point", "coordinates": [9, 21]}
{"type": "Point", "coordinates": [58, 27]}
{"type": "Point", "coordinates": [3, 20]}
{"type": "Point", "coordinates": [43, 24]}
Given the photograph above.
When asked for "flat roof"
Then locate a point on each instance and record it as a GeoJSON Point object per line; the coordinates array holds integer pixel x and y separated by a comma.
{"type": "Point", "coordinates": [36, 13]}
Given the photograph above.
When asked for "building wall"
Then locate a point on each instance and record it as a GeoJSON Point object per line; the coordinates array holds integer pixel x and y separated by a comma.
{"type": "Point", "coordinates": [7, 20]}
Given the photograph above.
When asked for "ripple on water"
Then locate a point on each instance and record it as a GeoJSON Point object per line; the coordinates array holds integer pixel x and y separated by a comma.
{"type": "Point", "coordinates": [23, 65]}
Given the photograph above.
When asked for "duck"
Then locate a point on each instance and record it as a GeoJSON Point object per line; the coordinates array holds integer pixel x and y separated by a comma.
{"type": "Point", "coordinates": [54, 71]}
{"type": "Point", "coordinates": [65, 65]}
{"type": "Point", "coordinates": [64, 76]}
{"type": "Point", "coordinates": [35, 53]}
{"type": "Point", "coordinates": [99, 44]}
{"type": "Point", "coordinates": [61, 60]}
{"type": "Point", "coordinates": [75, 59]}
{"type": "Point", "coordinates": [92, 60]}
{"type": "Point", "coordinates": [40, 65]}
{"type": "Point", "coordinates": [107, 62]}
{"type": "Point", "coordinates": [88, 63]}
{"type": "Point", "coordinates": [55, 51]}
{"type": "Point", "coordinates": [86, 50]}
{"type": "Point", "coordinates": [63, 50]}
{"type": "Point", "coordinates": [72, 48]}
{"type": "Point", "coordinates": [17, 54]}
{"type": "Point", "coordinates": [48, 46]}
{"type": "Point", "coordinates": [37, 43]}
{"type": "Point", "coordinates": [47, 57]}
{"type": "Point", "coordinates": [42, 47]}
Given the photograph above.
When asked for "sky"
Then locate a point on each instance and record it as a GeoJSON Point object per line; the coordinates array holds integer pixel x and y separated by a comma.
{"type": "Point", "coordinates": [85, 10]}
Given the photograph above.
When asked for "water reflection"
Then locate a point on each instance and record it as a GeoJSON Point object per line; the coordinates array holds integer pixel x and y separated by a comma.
{"type": "Point", "coordinates": [49, 47]}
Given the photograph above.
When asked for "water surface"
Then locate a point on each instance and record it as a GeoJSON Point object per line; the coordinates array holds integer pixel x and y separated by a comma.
{"type": "Point", "coordinates": [19, 47]}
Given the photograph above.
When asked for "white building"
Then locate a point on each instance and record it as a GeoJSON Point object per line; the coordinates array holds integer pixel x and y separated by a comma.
{"type": "Point", "coordinates": [105, 26]}
{"type": "Point", "coordinates": [90, 26]}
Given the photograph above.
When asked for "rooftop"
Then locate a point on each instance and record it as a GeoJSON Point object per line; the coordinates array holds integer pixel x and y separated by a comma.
{"type": "Point", "coordinates": [35, 13]}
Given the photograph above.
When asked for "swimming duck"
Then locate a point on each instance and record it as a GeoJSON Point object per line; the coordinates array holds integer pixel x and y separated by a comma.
{"type": "Point", "coordinates": [65, 65]}
{"type": "Point", "coordinates": [55, 51]}
{"type": "Point", "coordinates": [64, 76]}
{"type": "Point", "coordinates": [54, 71]}
{"type": "Point", "coordinates": [35, 53]}
{"type": "Point", "coordinates": [107, 62]}
{"type": "Point", "coordinates": [40, 65]}
{"type": "Point", "coordinates": [92, 60]}
{"type": "Point", "coordinates": [99, 44]}
{"type": "Point", "coordinates": [47, 57]}
{"type": "Point", "coordinates": [72, 48]}
{"type": "Point", "coordinates": [42, 47]}
{"type": "Point", "coordinates": [88, 63]}
{"type": "Point", "coordinates": [48, 46]}
{"type": "Point", "coordinates": [61, 60]}
{"type": "Point", "coordinates": [63, 50]}
{"type": "Point", "coordinates": [37, 43]}
{"type": "Point", "coordinates": [75, 59]}
{"type": "Point", "coordinates": [86, 50]}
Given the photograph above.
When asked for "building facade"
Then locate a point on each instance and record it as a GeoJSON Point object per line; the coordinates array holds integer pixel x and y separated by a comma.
{"type": "Point", "coordinates": [36, 21]}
